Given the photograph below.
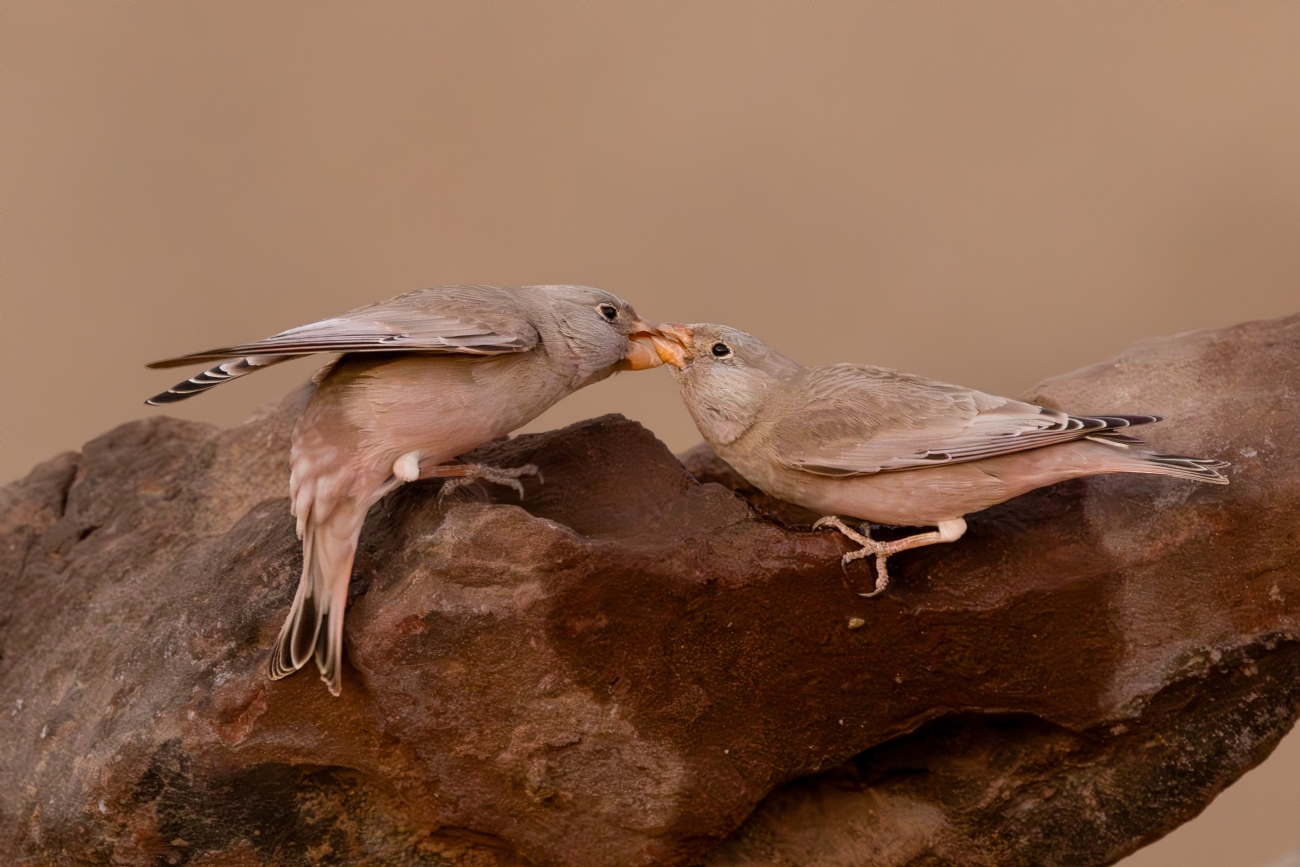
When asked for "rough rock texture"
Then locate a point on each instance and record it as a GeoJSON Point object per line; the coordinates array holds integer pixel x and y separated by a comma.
{"type": "Point", "coordinates": [635, 667]}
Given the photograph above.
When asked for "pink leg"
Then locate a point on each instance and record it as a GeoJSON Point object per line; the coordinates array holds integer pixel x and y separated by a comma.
{"type": "Point", "coordinates": [949, 531]}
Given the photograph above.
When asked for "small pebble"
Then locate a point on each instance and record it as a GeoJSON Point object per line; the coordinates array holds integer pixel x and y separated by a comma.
{"type": "Point", "coordinates": [855, 622]}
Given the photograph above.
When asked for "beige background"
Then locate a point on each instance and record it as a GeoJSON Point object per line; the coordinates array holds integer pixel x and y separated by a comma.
{"type": "Point", "coordinates": [986, 193]}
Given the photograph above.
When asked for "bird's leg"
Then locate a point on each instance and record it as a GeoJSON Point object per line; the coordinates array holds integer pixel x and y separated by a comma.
{"type": "Point", "coordinates": [948, 531]}
{"type": "Point", "coordinates": [459, 475]}
{"type": "Point", "coordinates": [869, 546]}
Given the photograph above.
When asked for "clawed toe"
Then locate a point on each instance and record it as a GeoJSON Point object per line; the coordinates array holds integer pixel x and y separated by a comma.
{"type": "Point", "coordinates": [865, 551]}
{"type": "Point", "coordinates": [869, 546]}
{"type": "Point", "coordinates": [507, 476]}
{"type": "Point", "coordinates": [862, 538]}
{"type": "Point", "coordinates": [449, 486]}
{"type": "Point", "coordinates": [882, 577]}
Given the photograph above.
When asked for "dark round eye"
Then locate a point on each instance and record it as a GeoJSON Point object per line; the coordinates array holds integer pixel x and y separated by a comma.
{"type": "Point", "coordinates": [609, 311]}
{"type": "Point", "coordinates": [720, 350]}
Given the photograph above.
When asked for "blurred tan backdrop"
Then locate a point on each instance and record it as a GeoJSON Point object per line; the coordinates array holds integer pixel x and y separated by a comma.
{"type": "Point", "coordinates": [984, 193]}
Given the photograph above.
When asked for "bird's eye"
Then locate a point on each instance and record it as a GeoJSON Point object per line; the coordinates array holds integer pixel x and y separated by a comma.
{"type": "Point", "coordinates": [720, 350]}
{"type": "Point", "coordinates": [609, 311]}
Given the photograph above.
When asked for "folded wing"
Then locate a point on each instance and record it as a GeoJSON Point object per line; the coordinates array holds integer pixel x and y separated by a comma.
{"type": "Point", "coordinates": [471, 320]}
{"type": "Point", "coordinates": [851, 420]}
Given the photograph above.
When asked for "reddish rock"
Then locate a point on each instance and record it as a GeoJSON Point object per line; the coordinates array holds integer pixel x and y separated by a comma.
{"type": "Point", "coordinates": [637, 665]}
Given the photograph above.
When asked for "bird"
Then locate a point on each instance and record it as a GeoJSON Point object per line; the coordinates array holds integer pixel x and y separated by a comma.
{"type": "Point", "coordinates": [886, 447]}
{"type": "Point", "coordinates": [421, 379]}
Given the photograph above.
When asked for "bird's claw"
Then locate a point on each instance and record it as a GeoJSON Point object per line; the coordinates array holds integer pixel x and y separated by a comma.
{"type": "Point", "coordinates": [508, 476]}
{"type": "Point", "coordinates": [869, 546]}
{"type": "Point", "coordinates": [882, 578]}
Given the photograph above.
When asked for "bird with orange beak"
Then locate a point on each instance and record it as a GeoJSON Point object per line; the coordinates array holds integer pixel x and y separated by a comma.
{"type": "Point", "coordinates": [423, 378]}
{"type": "Point", "coordinates": [887, 447]}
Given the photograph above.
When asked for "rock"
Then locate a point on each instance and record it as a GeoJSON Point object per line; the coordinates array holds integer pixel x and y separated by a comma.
{"type": "Point", "coordinates": [639, 665]}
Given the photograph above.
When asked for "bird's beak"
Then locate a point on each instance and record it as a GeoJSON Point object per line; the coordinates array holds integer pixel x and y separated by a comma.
{"type": "Point", "coordinates": [672, 342]}
{"type": "Point", "coordinates": [641, 353]}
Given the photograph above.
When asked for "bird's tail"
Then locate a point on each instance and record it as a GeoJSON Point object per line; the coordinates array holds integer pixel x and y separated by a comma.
{"type": "Point", "coordinates": [214, 376]}
{"type": "Point", "coordinates": [314, 626]}
{"type": "Point", "coordinates": [1139, 460]}
{"type": "Point", "coordinates": [1130, 457]}
{"type": "Point", "coordinates": [1197, 469]}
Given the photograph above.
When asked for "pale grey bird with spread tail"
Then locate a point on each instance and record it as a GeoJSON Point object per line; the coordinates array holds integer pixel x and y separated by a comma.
{"type": "Point", "coordinates": [887, 447]}
{"type": "Point", "coordinates": [424, 377]}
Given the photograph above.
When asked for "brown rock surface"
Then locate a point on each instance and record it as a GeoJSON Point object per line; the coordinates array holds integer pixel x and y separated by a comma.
{"type": "Point", "coordinates": [632, 667]}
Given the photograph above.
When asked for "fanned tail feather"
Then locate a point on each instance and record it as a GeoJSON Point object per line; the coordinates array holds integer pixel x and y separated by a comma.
{"type": "Point", "coordinates": [215, 376]}
{"type": "Point", "coordinates": [301, 630]}
{"type": "Point", "coordinates": [314, 627]}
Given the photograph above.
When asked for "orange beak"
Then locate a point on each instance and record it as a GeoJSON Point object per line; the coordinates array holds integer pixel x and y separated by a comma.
{"type": "Point", "coordinates": [641, 353]}
{"type": "Point", "coordinates": [672, 343]}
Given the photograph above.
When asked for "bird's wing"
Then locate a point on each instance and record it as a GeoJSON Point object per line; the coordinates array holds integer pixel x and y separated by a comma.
{"type": "Point", "coordinates": [475, 320]}
{"type": "Point", "coordinates": [844, 420]}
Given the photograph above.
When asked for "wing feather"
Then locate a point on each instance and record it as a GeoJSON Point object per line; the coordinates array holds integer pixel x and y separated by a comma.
{"type": "Point", "coordinates": [846, 420]}
{"type": "Point", "coordinates": [475, 320]}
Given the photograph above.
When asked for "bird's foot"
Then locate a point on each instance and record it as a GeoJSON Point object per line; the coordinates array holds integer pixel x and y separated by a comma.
{"type": "Point", "coordinates": [869, 546]}
{"type": "Point", "coordinates": [508, 476]}
{"type": "Point", "coordinates": [947, 531]}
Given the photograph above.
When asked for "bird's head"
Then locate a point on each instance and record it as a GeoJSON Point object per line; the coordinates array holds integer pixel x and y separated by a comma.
{"type": "Point", "coordinates": [724, 374]}
{"type": "Point", "coordinates": [604, 327]}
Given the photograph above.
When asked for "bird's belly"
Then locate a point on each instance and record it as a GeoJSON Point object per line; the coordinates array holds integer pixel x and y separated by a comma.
{"type": "Point", "coordinates": [919, 497]}
{"type": "Point", "coordinates": [440, 406]}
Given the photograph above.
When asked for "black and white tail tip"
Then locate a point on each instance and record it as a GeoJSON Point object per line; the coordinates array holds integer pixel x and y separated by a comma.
{"type": "Point", "coordinates": [215, 376]}
{"type": "Point", "coordinates": [1180, 466]}
{"type": "Point", "coordinates": [1107, 428]}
